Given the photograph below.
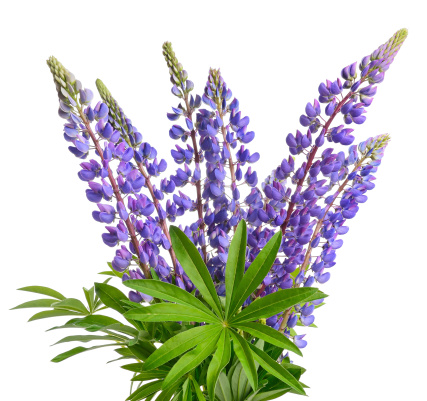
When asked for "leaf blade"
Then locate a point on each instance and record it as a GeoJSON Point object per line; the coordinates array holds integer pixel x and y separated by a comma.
{"type": "Point", "coordinates": [235, 267]}
{"type": "Point", "coordinates": [244, 354]}
{"type": "Point", "coordinates": [145, 390]}
{"type": "Point", "coordinates": [166, 291]}
{"type": "Point", "coordinates": [36, 303]}
{"type": "Point", "coordinates": [273, 304]}
{"type": "Point", "coordinates": [191, 359]}
{"type": "Point", "coordinates": [78, 350]}
{"type": "Point", "coordinates": [38, 289]}
{"type": "Point", "coordinates": [170, 312]}
{"type": "Point", "coordinates": [219, 361]}
{"type": "Point", "coordinates": [179, 344]}
{"type": "Point", "coordinates": [269, 335]}
{"type": "Point", "coordinates": [195, 268]}
{"type": "Point", "coordinates": [72, 304]}
{"type": "Point", "coordinates": [277, 370]}
{"type": "Point", "coordinates": [256, 272]}
{"type": "Point", "coordinates": [86, 338]}
{"type": "Point", "coordinates": [52, 313]}
{"type": "Point", "coordinates": [110, 296]}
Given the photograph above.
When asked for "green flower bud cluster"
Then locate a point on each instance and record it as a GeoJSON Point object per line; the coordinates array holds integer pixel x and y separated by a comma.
{"type": "Point", "coordinates": [118, 117]}
{"type": "Point", "coordinates": [65, 82]}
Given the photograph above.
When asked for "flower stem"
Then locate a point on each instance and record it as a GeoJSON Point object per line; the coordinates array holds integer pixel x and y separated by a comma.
{"type": "Point", "coordinates": [316, 231]}
{"type": "Point", "coordinates": [198, 182]}
{"type": "Point", "coordinates": [311, 158]}
{"type": "Point", "coordinates": [116, 190]}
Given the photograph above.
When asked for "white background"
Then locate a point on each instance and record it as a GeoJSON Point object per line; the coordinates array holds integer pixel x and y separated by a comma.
{"type": "Point", "coordinates": [370, 343]}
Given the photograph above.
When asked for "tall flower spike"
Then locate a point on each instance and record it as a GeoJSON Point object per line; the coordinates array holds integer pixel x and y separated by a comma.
{"type": "Point", "coordinates": [132, 137]}
{"type": "Point", "coordinates": [78, 130]}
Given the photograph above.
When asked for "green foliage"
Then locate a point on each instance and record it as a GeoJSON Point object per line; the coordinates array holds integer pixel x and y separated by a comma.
{"type": "Point", "coordinates": [225, 324]}
{"type": "Point", "coordinates": [212, 348]}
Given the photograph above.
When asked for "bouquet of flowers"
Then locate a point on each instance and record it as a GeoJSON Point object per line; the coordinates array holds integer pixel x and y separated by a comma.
{"type": "Point", "coordinates": [227, 295]}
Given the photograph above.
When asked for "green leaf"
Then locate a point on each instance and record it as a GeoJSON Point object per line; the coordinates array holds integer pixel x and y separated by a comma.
{"type": "Point", "coordinates": [316, 296]}
{"type": "Point", "coordinates": [179, 344]}
{"type": "Point", "coordinates": [71, 304]}
{"type": "Point", "coordinates": [90, 298]}
{"type": "Point", "coordinates": [94, 322]}
{"type": "Point", "coordinates": [166, 394]}
{"type": "Point", "coordinates": [122, 328]}
{"type": "Point", "coordinates": [170, 312]}
{"type": "Point", "coordinates": [239, 383]}
{"type": "Point", "coordinates": [192, 359]}
{"type": "Point", "coordinates": [243, 352]}
{"type": "Point", "coordinates": [295, 370]}
{"type": "Point", "coordinates": [77, 350]}
{"type": "Point", "coordinates": [107, 273]}
{"type": "Point", "coordinates": [142, 350]}
{"type": "Point", "coordinates": [145, 390]}
{"type": "Point", "coordinates": [223, 389]}
{"type": "Point", "coordinates": [199, 394]}
{"type": "Point", "coordinates": [152, 374]}
{"type": "Point", "coordinates": [255, 273]}
{"type": "Point", "coordinates": [168, 292]}
{"type": "Point", "coordinates": [267, 395]}
{"type": "Point", "coordinates": [134, 367]}
{"type": "Point", "coordinates": [115, 272]}
{"type": "Point", "coordinates": [186, 390]}
{"type": "Point", "coordinates": [43, 290]}
{"type": "Point", "coordinates": [37, 303]}
{"type": "Point", "coordinates": [269, 335]}
{"type": "Point", "coordinates": [193, 265]}
{"type": "Point", "coordinates": [235, 267]}
{"type": "Point", "coordinates": [273, 304]}
{"type": "Point", "coordinates": [219, 361]}
{"type": "Point", "coordinates": [277, 370]}
{"type": "Point", "coordinates": [111, 296]}
{"type": "Point", "coordinates": [51, 313]}
{"type": "Point", "coordinates": [86, 338]}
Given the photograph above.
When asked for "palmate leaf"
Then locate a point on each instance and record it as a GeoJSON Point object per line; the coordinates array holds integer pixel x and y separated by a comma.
{"type": "Point", "coordinates": [195, 268]}
{"type": "Point", "coordinates": [170, 313]}
{"type": "Point", "coordinates": [241, 287]}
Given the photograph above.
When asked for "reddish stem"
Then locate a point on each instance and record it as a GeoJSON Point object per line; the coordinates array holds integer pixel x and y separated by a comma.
{"type": "Point", "coordinates": [310, 160]}
{"type": "Point", "coordinates": [163, 224]}
{"type": "Point", "coordinates": [198, 182]}
{"type": "Point", "coordinates": [116, 191]}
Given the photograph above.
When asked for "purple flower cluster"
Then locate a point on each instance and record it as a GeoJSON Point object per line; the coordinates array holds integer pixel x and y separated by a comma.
{"type": "Point", "coordinates": [310, 203]}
